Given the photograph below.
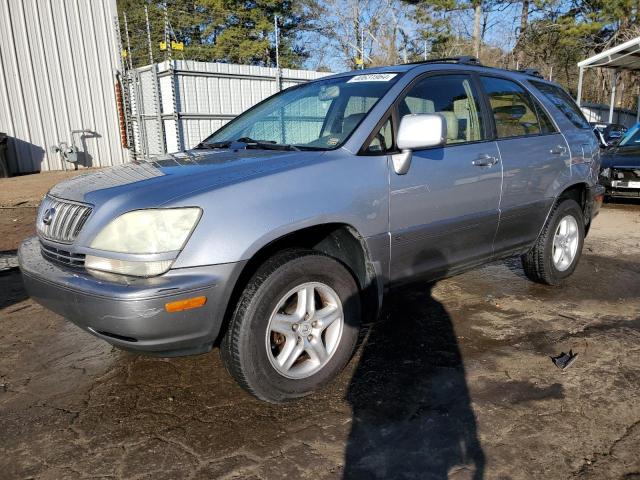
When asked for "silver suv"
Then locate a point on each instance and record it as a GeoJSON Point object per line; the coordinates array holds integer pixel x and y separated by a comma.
{"type": "Point", "coordinates": [281, 231]}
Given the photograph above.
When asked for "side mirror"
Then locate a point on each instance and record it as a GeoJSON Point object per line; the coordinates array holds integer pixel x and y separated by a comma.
{"type": "Point", "coordinates": [417, 131]}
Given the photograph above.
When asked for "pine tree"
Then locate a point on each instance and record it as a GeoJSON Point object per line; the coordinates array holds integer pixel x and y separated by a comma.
{"type": "Point", "coordinates": [232, 31]}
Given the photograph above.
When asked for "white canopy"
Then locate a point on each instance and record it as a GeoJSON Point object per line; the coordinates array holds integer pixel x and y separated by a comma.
{"type": "Point", "coordinates": [625, 56]}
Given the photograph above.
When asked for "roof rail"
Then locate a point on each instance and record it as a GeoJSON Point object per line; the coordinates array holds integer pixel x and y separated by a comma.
{"type": "Point", "coordinates": [463, 59]}
{"type": "Point", "coordinates": [533, 72]}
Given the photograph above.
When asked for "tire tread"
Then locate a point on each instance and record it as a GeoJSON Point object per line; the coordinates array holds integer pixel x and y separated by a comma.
{"type": "Point", "coordinates": [534, 263]}
{"type": "Point", "coordinates": [229, 351]}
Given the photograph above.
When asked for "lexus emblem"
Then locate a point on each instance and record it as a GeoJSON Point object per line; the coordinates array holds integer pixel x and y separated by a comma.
{"type": "Point", "coordinates": [47, 218]}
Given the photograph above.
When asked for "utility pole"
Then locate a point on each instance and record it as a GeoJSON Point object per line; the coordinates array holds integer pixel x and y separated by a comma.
{"type": "Point", "coordinates": [168, 55]}
{"type": "Point", "coordinates": [277, 35]}
{"type": "Point", "coordinates": [146, 17]}
{"type": "Point", "coordinates": [425, 50]}
{"type": "Point", "coordinates": [126, 32]}
{"type": "Point", "coordinates": [275, 27]}
{"type": "Point", "coordinates": [356, 34]}
{"type": "Point", "coordinates": [362, 47]}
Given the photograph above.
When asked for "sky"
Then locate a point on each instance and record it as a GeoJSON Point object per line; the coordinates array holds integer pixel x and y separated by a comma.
{"type": "Point", "coordinates": [501, 31]}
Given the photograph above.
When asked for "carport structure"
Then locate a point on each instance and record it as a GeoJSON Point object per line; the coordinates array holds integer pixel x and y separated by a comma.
{"type": "Point", "coordinates": [625, 56]}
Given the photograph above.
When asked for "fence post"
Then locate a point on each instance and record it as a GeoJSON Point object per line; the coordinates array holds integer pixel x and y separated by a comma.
{"type": "Point", "coordinates": [124, 85]}
{"type": "Point", "coordinates": [158, 104]}
{"type": "Point", "coordinates": [614, 81]}
{"type": "Point", "coordinates": [172, 77]}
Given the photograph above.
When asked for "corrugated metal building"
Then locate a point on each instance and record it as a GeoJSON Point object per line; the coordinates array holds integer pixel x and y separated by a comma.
{"type": "Point", "coordinates": [58, 61]}
{"type": "Point", "coordinates": [185, 101]}
{"type": "Point", "coordinates": [59, 64]}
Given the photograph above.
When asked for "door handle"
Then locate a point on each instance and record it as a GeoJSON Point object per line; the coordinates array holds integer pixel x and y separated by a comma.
{"type": "Point", "coordinates": [485, 160]}
{"type": "Point", "coordinates": [558, 150]}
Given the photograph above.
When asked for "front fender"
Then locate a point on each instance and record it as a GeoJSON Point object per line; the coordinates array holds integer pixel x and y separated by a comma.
{"type": "Point", "coordinates": [239, 219]}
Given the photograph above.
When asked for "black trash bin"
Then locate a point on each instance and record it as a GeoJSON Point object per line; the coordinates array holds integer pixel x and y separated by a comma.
{"type": "Point", "coordinates": [4, 168]}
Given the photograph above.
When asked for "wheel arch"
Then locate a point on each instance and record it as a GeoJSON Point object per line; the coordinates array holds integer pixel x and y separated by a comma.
{"type": "Point", "coordinates": [340, 241]}
{"type": "Point", "coordinates": [577, 191]}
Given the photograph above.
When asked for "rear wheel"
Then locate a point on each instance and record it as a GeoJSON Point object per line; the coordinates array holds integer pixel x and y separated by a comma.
{"type": "Point", "coordinates": [295, 326]}
{"type": "Point", "coordinates": [557, 251]}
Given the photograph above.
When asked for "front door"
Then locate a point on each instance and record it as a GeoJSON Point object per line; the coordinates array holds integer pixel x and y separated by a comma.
{"type": "Point", "coordinates": [444, 211]}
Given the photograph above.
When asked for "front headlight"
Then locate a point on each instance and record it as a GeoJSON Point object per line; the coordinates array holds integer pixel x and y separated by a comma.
{"type": "Point", "coordinates": [148, 231]}
{"type": "Point", "coordinates": [143, 232]}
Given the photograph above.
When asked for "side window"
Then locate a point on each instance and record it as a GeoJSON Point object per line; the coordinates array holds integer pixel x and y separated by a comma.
{"type": "Point", "coordinates": [564, 102]}
{"type": "Point", "coordinates": [383, 140]}
{"type": "Point", "coordinates": [513, 109]}
{"type": "Point", "coordinates": [453, 97]}
{"type": "Point", "coordinates": [546, 125]}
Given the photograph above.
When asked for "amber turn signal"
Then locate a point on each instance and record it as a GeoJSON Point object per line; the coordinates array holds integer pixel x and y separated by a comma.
{"type": "Point", "coordinates": [186, 304]}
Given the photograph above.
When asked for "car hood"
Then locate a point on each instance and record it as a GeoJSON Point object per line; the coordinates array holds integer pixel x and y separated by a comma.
{"type": "Point", "coordinates": [163, 179]}
{"type": "Point", "coordinates": [621, 157]}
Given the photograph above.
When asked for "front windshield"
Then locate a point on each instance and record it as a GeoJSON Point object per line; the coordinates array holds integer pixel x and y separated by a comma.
{"type": "Point", "coordinates": [316, 116]}
{"type": "Point", "coordinates": [632, 137]}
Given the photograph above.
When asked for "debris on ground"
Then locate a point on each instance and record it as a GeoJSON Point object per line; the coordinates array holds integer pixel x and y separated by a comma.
{"type": "Point", "coordinates": [564, 360]}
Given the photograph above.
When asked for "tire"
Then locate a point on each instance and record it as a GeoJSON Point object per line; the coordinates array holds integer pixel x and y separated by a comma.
{"type": "Point", "coordinates": [538, 263]}
{"type": "Point", "coordinates": [252, 355]}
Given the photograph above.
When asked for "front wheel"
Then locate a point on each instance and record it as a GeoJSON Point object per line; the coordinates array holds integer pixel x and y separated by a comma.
{"type": "Point", "coordinates": [295, 326]}
{"type": "Point", "coordinates": [557, 251]}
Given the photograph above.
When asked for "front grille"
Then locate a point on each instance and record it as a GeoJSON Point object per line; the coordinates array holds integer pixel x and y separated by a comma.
{"type": "Point", "coordinates": [61, 220]}
{"type": "Point", "coordinates": [627, 174]}
{"type": "Point", "coordinates": [62, 257]}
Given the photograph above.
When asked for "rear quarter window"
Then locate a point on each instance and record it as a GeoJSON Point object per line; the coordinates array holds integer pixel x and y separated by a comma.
{"type": "Point", "coordinates": [563, 101]}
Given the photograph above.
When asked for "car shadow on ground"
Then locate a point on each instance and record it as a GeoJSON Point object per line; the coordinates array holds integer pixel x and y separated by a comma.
{"type": "Point", "coordinates": [412, 415]}
{"type": "Point", "coordinates": [11, 289]}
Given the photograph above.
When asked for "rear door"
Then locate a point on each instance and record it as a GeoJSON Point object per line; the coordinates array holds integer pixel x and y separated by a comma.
{"type": "Point", "coordinates": [534, 157]}
{"type": "Point", "coordinates": [583, 144]}
{"type": "Point", "coordinates": [444, 211]}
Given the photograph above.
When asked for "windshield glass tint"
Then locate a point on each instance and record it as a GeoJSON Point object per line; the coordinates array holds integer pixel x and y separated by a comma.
{"type": "Point", "coordinates": [319, 115]}
{"type": "Point", "coordinates": [632, 137]}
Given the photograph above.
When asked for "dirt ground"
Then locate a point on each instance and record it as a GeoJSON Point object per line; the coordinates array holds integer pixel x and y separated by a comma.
{"type": "Point", "coordinates": [456, 381]}
{"type": "Point", "coordinates": [19, 197]}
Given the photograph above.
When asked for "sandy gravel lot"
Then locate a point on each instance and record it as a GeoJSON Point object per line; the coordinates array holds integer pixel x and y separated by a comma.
{"type": "Point", "coordinates": [454, 382]}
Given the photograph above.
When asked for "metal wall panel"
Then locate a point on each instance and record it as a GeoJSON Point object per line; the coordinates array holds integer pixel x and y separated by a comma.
{"type": "Point", "coordinates": [600, 113]}
{"type": "Point", "coordinates": [207, 95]}
{"type": "Point", "coordinates": [58, 60]}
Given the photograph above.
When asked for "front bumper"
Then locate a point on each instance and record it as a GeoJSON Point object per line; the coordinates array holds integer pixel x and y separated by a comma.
{"type": "Point", "coordinates": [621, 181]}
{"type": "Point", "coordinates": [623, 189]}
{"type": "Point", "coordinates": [130, 313]}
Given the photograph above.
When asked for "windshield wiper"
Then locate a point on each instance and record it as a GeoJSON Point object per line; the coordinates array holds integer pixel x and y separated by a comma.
{"type": "Point", "coordinates": [266, 144]}
{"type": "Point", "coordinates": [205, 145]}
{"type": "Point", "coordinates": [246, 142]}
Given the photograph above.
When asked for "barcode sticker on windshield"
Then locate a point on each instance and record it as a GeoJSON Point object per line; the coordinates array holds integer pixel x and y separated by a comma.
{"type": "Point", "coordinates": [372, 77]}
